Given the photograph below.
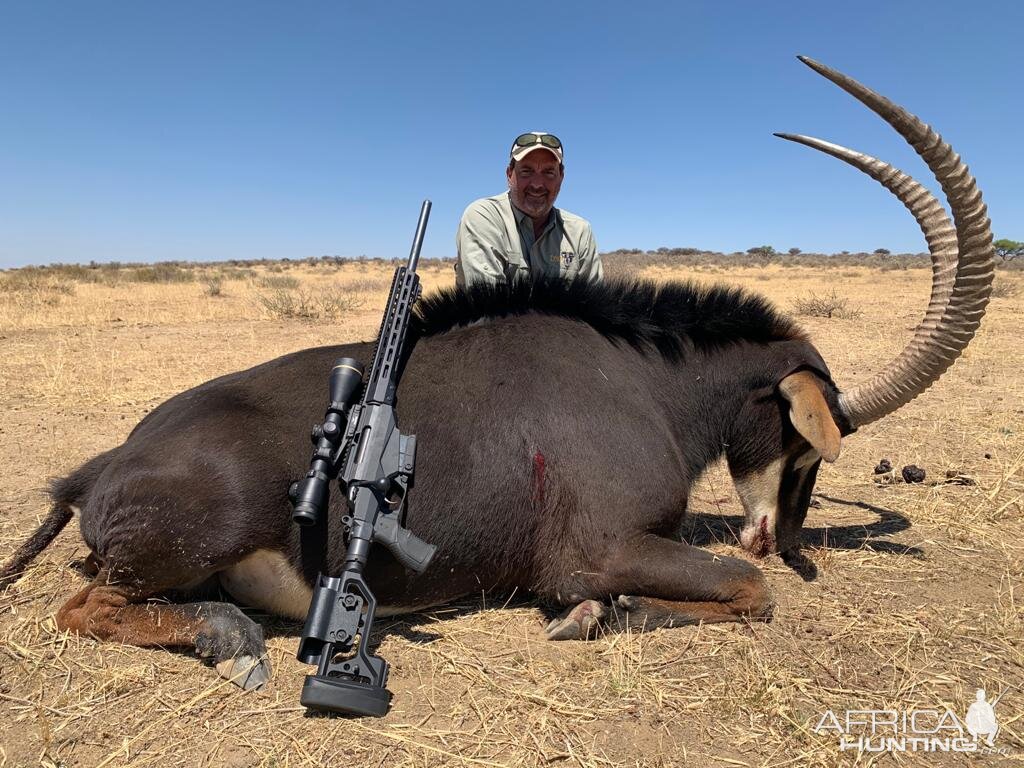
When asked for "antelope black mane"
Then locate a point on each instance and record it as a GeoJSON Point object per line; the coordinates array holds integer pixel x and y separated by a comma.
{"type": "Point", "coordinates": [669, 316]}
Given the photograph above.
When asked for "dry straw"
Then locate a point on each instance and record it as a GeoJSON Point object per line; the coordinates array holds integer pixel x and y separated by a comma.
{"type": "Point", "coordinates": [917, 599]}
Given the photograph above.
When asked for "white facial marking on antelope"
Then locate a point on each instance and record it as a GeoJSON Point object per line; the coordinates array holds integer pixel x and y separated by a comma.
{"type": "Point", "coordinates": [759, 492]}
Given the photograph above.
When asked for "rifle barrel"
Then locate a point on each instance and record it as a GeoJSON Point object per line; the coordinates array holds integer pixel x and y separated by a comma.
{"type": "Point", "coordinates": [417, 241]}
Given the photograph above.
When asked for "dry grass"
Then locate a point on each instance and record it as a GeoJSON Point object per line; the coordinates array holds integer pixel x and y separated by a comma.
{"type": "Point", "coordinates": [917, 599]}
{"type": "Point", "coordinates": [1005, 287]}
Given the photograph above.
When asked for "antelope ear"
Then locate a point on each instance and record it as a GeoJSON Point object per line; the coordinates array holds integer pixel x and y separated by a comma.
{"type": "Point", "coordinates": [810, 414]}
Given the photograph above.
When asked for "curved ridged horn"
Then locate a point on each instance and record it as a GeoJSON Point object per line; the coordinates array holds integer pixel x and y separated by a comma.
{"type": "Point", "coordinates": [959, 293]}
{"type": "Point", "coordinates": [927, 210]}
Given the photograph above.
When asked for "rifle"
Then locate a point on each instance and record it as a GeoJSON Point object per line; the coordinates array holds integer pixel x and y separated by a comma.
{"type": "Point", "coordinates": [361, 446]}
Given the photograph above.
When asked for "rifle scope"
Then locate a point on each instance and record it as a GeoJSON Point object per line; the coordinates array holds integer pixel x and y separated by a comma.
{"type": "Point", "coordinates": [309, 496]}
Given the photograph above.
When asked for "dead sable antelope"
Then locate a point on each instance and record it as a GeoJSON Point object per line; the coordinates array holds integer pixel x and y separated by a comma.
{"type": "Point", "coordinates": [560, 428]}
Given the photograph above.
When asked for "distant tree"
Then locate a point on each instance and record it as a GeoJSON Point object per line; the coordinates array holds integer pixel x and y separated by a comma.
{"type": "Point", "coordinates": [882, 251]}
{"type": "Point", "coordinates": [794, 251]}
{"type": "Point", "coordinates": [765, 251]}
{"type": "Point", "coordinates": [1008, 250]}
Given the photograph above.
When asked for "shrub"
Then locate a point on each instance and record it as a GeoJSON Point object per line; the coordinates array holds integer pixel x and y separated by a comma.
{"type": "Point", "coordinates": [306, 305]}
{"type": "Point", "coordinates": [1008, 250]}
{"type": "Point", "coordinates": [279, 282]}
{"type": "Point", "coordinates": [75, 272]}
{"type": "Point", "coordinates": [212, 285]}
{"type": "Point", "coordinates": [165, 272]}
{"type": "Point", "coordinates": [238, 273]}
{"type": "Point", "coordinates": [27, 279]}
{"type": "Point", "coordinates": [830, 305]}
{"type": "Point", "coordinates": [39, 280]}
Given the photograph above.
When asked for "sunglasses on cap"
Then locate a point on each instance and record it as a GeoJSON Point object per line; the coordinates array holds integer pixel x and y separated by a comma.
{"type": "Point", "coordinates": [544, 139]}
{"type": "Point", "coordinates": [526, 142]}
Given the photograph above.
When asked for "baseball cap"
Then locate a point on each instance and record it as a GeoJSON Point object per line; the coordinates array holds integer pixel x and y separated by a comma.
{"type": "Point", "coordinates": [525, 143]}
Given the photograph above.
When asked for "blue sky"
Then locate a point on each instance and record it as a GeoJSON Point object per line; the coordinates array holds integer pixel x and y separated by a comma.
{"type": "Point", "coordinates": [145, 131]}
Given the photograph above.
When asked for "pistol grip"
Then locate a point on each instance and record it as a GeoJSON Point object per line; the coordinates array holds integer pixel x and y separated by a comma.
{"type": "Point", "coordinates": [408, 548]}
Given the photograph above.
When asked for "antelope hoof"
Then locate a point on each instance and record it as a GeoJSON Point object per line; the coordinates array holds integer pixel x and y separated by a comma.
{"type": "Point", "coordinates": [246, 672]}
{"type": "Point", "coordinates": [234, 644]}
{"type": "Point", "coordinates": [577, 623]}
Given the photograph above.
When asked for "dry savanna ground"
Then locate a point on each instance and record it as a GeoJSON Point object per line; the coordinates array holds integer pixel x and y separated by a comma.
{"type": "Point", "coordinates": [917, 600]}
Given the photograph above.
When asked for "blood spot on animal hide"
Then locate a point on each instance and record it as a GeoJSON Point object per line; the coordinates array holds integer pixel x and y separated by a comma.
{"type": "Point", "coordinates": [538, 477]}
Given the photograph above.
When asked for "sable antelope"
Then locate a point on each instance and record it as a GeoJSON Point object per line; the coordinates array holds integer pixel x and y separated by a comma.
{"type": "Point", "coordinates": [560, 428]}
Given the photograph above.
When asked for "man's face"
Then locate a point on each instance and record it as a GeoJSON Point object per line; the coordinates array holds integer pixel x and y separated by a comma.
{"type": "Point", "coordinates": [534, 183]}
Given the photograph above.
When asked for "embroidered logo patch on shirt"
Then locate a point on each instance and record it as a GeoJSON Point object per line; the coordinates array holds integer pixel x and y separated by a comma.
{"type": "Point", "coordinates": [567, 257]}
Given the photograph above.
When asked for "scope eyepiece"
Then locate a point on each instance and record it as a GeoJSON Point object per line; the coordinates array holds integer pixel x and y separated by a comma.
{"type": "Point", "coordinates": [309, 500]}
{"type": "Point", "coordinates": [304, 515]}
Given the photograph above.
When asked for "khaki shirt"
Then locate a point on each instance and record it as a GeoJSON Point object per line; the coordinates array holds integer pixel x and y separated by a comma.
{"type": "Point", "coordinates": [495, 244]}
